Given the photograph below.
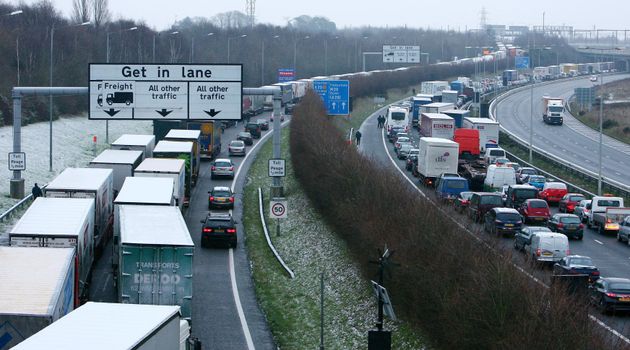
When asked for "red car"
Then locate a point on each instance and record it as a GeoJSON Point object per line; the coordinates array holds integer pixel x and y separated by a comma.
{"type": "Point", "coordinates": [535, 210]}
{"type": "Point", "coordinates": [568, 203]}
{"type": "Point", "coordinates": [553, 192]}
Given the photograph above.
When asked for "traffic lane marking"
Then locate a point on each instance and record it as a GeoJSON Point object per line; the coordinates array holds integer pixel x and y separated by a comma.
{"type": "Point", "coordinates": [600, 242]}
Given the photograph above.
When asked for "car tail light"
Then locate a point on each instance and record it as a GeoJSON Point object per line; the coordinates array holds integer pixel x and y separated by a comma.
{"type": "Point", "coordinates": [207, 229]}
{"type": "Point", "coordinates": [231, 230]}
{"type": "Point", "coordinates": [611, 295]}
{"type": "Point", "coordinates": [231, 199]}
{"type": "Point", "coordinates": [568, 252]}
{"type": "Point", "coordinates": [231, 168]}
{"type": "Point", "coordinates": [464, 202]}
{"type": "Point", "coordinates": [538, 252]}
{"type": "Point", "coordinates": [581, 225]}
{"type": "Point", "coordinates": [595, 273]}
{"type": "Point", "coordinates": [211, 198]}
{"type": "Point", "coordinates": [213, 168]}
{"type": "Point", "coordinates": [560, 225]}
{"type": "Point", "coordinates": [608, 221]}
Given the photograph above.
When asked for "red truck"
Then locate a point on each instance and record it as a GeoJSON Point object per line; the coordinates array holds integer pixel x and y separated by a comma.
{"type": "Point", "coordinates": [468, 140]}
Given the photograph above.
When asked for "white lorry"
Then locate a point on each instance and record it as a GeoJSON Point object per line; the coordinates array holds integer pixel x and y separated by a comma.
{"type": "Point", "coordinates": [60, 223]}
{"type": "Point", "coordinates": [552, 110]}
{"type": "Point", "coordinates": [437, 125]}
{"type": "Point", "coordinates": [133, 142]}
{"type": "Point", "coordinates": [38, 288]}
{"type": "Point", "coordinates": [101, 326]}
{"type": "Point", "coordinates": [436, 156]}
{"type": "Point", "coordinates": [167, 168]}
{"type": "Point", "coordinates": [121, 162]}
{"type": "Point", "coordinates": [97, 184]}
{"type": "Point", "coordinates": [433, 87]}
{"type": "Point", "coordinates": [488, 132]}
{"type": "Point", "coordinates": [140, 191]}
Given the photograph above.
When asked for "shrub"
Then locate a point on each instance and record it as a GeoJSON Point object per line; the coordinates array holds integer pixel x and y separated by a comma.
{"type": "Point", "coordinates": [464, 294]}
{"type": "Point", "coordinates": [609, 123]}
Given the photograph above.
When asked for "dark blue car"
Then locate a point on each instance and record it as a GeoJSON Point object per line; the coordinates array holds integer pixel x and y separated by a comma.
{"type": "Point", "coordinates": [448, 187]}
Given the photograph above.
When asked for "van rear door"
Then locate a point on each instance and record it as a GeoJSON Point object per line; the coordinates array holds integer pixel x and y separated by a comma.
{"type": "Point", "coordinates": [560, 247]}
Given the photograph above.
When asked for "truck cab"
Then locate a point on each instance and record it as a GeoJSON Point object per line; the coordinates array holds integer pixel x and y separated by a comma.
{"type": "Point", "coordinates": [553, 110]}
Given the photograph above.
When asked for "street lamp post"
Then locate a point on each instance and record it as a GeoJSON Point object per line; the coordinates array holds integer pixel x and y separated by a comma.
{"type": "Point", "coordinates": [601, 131]}
{"type": "Point", "coordinates": [50, 98]}
{"type": "Point", "coordinates": [228, 45]}
{"type": "Point", "coordinates": [107, 43]}
{"type": "Point", "coordinates": [262, 60]}
{"type": "Point", "coordinates": [17, 43]}
{"type": "Point", "coordinates": [295, 53]}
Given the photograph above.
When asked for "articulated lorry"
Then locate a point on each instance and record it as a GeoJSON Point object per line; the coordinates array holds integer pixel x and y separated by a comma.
{"type": "Point", "coordinates": [115, 326]}
{"type": "Point", "coordinates": [131, 142]}
{"type": "Point", "coordinates": [552, 110]}
{"type": "Point", "coordinates": [174, 169]}
{"type": "Point", "coordinates": [37, 288]}
{"type": "Point", "coordinates": [436, 156]}
{"type": "Point", "coordinates": [121, 162]}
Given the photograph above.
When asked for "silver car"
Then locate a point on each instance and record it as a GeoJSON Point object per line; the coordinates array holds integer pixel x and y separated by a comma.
{"type": "Point", "coordinates": [236, 147]}
{"type": "Point", "coordinates": [222, 167]}
{"type": "Point", "coordinates": [404, 150]}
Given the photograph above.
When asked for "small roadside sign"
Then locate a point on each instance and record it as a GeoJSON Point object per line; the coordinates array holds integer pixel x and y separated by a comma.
{"type": "Point", "coordinates": [381, 294]}
{"type": "Point", "coordinates": [17, 161]}
{"type": "Point", "coordinates": [277, 168]}
{"type": "Point", "coordinates": [278, 208]}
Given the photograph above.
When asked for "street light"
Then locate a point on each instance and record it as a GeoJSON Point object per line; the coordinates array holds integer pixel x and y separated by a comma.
{"type": "Point", "coordinates": [17, 12]}
{"type": "Point", "coordinates": [107, 57]}
{"type": "Point", "coordinates": [50, 98]}
{"type": "Point", "coordinates": [295, 52]}
{"type": "Point", "coordinates": [262, 59]}
{"type": "Point", "coordinates": [228, 44]}
{"type": "Point", "coordinates": [326, 54]}
{"type": "Point", "coordinates": [17, 44]}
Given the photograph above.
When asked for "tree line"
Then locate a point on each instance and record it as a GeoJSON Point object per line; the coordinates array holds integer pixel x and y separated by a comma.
{"type": "Point", "coordinates": [313, 46]}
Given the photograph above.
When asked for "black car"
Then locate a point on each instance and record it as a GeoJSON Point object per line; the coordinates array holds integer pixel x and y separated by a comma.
{"type": "Point", "coordinates": [576, 265]}
{"type": "Point", "coordinates": [218, 228]}
{"type": "Point", "coordinates": [391, 135]}
{"type": "Point", "coordinates": [611, 294]}
{"type": "Point", "coordinates": [254, 129]}
{"type": "Point", "coordinates": [245, 137]}
{"type": "Point", "coordinates": [482, 202]}
{"type": "Point", "coordinates": [411, 161]}
{"type": "Point", "coordinates": [264, 124]}
{"type": "Point", "coordinates": [503, 221]}
{"type": "Point", "coordinates": [567, 224]}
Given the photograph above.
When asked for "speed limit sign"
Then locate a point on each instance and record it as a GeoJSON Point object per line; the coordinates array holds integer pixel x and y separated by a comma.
{"type": "Point", "coordinates": [278, 209]}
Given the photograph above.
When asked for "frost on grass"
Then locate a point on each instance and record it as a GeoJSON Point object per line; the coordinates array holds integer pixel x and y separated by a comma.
{"type": "Point", "coordinates": [310, 248]}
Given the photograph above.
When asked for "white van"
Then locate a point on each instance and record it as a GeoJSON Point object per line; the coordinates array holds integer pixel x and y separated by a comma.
{"type": "Point", "coordinates": [497, 177]}
{"type": "Point", "coordinates": [548, 247]}
{"type": "Point", "coordinates": [491, 155]}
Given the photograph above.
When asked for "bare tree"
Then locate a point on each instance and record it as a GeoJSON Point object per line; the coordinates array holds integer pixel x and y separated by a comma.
{"type": "Point", "coordinates": [101, 12]}
{"type": "Point", "coordinates": [81, 11]}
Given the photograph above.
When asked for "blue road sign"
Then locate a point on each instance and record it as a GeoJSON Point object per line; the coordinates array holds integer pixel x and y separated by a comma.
{"type": "Point", "coordinates": [285, 75]}
{"type": "Point", "coordinates": [335, 94]}
{"type": "Point", "coordinates": [521, 62]}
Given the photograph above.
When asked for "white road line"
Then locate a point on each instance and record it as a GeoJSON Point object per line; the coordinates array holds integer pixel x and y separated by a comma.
{"type": "Point", "coordinates": [237, 298]}
{"type": "Point", "coordinates": [106, 282]}
{"type": "Point", "coordinates": [598, 321]}
{"type": "Point", "coordinates": [599, 242]}
{"type": "Point", "coordinates": [237, 301]}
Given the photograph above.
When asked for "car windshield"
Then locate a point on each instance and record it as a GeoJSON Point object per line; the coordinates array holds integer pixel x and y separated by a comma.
{"type": "Point", "coordinates": [538, 204]}
{"type": "Point", "coordinates": [261, 121]}
{"type": "Point", "coordinates": [221, 193]}
{"type": "Point", "coordinates": [237, 144]}
{"type": "Point", "coordinates": [619, 286]}
{"type": "Point", "coordinates": [495, 200]}
{"type": "Point", "coordinates": [508, 217]}
{"type": "Point", "coordinates": [536, 178]}
{"type": "Point", "coordinates": [556, 109]}
{"type": "Point", "coordinates": [528, 171]}
{"type": "Point", "coordinates": [398, 116]}
{"type": "Point", "coordinates": [244, 134]}
{"type": "Point", "coordinates": [526, 193]}
{"type": "Point", "coordinates": [456, 184]}
{"type": "Point", "coordinates": [576, 198]}
{"type": "Point", "coordinates": [222, 164]}
{"type": "Point", "coordinates": [570, 220]}
{"type": "Point", "coordinates": [497, 152]}
{"type": "Point", "coordinates": [584, 261]}
{"type": "Point", "coordinates": [403, 139]}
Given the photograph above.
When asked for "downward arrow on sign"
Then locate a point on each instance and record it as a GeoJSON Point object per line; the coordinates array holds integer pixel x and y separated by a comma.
{"type": "Point", "coordinates": [164, 112]}
{"type": "Point", "coordinates": [112, 112]}
{"type": "Point", "coordinates": [212, 112]}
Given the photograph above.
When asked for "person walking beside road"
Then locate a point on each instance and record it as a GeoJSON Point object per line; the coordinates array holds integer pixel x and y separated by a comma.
{"type": "Point", "coordinates": [36, 191]}
{"type": "Point", "coordinates": [380, 121]}
{"type": "Point", "coordinates": [357, 137]}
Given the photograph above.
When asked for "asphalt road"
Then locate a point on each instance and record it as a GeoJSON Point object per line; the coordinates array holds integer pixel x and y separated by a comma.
{"type": "Point", "coordinates": [611, 257]}
{"type": "Point", "coordinates": [573, 141]}
{"type": "Point", "coordinates": [215, 318]}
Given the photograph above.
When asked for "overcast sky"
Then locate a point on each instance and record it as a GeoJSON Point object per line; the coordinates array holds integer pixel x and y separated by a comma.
{"type": "Point", "coordinates": [458, 14]}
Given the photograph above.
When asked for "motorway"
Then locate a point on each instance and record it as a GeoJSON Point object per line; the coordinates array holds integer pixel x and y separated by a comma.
{"type": "Point", "coordinates": [573, 141]}
{"type": "Point", "coordinates": [611, 257]}
{"type": "Point", "coordinates": [217, 319]}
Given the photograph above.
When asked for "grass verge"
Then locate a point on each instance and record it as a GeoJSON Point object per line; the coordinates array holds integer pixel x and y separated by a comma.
{"type": "Point", "coordinates": [310, 248]}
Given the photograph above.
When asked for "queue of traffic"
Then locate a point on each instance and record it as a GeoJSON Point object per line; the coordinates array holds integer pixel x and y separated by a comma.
{"type": "Point", "coordinates": [510, 200]}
